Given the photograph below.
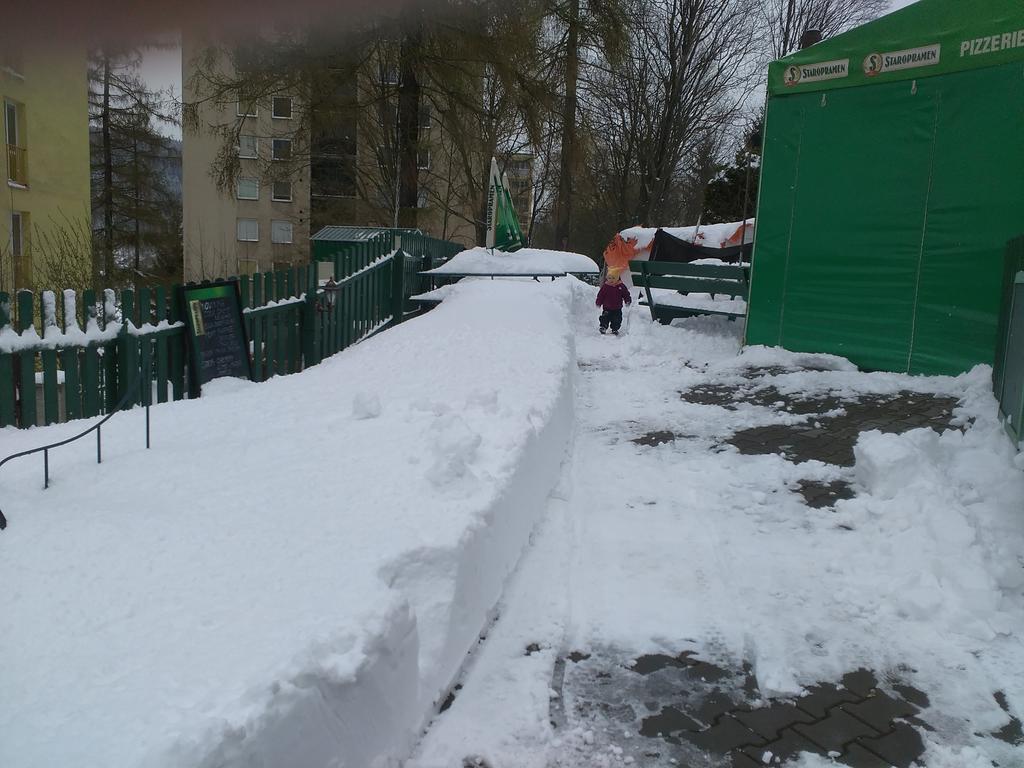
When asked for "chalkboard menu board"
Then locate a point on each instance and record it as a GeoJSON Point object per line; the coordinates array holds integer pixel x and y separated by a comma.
{"type": "Point", "coordinates": [216, 332]}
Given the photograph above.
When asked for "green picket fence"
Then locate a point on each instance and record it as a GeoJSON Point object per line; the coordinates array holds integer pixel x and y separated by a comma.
{"type": "Point", "coordinates": [349, 258]}
{"type": "Point", "coordinates": [74, 355]}
{"type": "Point", "coordinates": [423, 253]}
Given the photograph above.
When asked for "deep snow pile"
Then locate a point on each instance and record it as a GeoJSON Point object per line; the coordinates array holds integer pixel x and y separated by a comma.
{"type": "Point", "coordinates": [295, 571]}
{"type": "Point", "coordinates": [692, 546]}
{"type": "Point", "coordinates": [526, 261]}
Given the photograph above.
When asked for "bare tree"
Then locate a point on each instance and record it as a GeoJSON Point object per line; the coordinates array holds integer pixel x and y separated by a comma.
{"type": "Point", "coordinates": [471, 65]}
{"type": "Point", "coordinates": [786, 20]}
{"type": "Point", "coordinates": [589, 28]}
{"type": "Point", "coordinates": [658, 119]}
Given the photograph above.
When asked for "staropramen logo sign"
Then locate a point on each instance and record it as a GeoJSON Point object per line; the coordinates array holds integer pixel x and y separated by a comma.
{"type": "Point", "coordinates": [894, 61]}
{"type": "Point", "coordinates": [813, 73]}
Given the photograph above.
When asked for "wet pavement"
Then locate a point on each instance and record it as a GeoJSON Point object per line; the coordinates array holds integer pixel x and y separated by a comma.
{"type": "Point", "coordinates": [684, 711]}
{"type": "Point", "coordinates": [829, 430]}
{"type": "Point", "coordinates": [833, 422]}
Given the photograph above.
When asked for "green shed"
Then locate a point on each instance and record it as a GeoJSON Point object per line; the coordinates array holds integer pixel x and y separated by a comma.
{"type": "Point", "coordinates": [333, 239]}
{"type": "Point", "coordinates": [892, 180]}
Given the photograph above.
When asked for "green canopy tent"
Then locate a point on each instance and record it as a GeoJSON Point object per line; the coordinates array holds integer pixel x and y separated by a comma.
{"type": "Point", "coordinates": [892, 179]}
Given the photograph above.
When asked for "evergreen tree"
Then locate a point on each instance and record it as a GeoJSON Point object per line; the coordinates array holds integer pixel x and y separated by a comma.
{"type": "Point", "coordinates": [136, 203]}
{"type": "Point", "coordinates": [732, 194]}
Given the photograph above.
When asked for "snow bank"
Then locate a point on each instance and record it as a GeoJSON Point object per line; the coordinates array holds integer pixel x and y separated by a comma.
{"type": "Point", "coordinates": [481, 261]}
{"type": "Point", "coordinates": [293, 575]}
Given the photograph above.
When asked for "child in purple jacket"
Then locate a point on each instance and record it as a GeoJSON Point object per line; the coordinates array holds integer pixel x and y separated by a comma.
{"type": "Point", "coordinates": [610, 298]}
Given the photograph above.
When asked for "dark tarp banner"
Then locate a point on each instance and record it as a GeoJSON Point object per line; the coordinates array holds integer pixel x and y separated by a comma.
{"type": "Point", "coordinates": [669, 248]}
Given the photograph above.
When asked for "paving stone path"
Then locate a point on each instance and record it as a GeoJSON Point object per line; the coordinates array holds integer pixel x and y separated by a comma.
{"type": "Point", "coordinates": [684, 711]}
{"type": "Point", "coordinates": [831, 430]}
{"type": "Point", "coordinates": [696, 707]}
{"type": "Point", "coordinates": [689, 712]}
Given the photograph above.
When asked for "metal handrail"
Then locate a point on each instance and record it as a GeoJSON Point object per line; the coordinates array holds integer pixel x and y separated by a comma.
{"type": "Point", "coordinates": [129, 395]}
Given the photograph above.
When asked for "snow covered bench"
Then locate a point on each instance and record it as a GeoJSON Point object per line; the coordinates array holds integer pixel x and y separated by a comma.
{"type": "Point", "coordinates": [484, 263]}
{"type": "Point", "coordinates": [681, 280]}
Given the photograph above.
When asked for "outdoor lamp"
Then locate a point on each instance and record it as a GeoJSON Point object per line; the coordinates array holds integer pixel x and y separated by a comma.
{"type": "Point", "coordinates": [331, 292]}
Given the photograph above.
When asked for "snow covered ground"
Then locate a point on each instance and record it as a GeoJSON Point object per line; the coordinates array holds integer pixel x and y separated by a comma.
{"type": "Point", "coordinates": [296, 570]}
{"type": "Point", "coordinates": [528, 261]}
{"type": "Point", "coordinates": [299, 583]}
{"type": "Point", "coordinates": [689, 546]}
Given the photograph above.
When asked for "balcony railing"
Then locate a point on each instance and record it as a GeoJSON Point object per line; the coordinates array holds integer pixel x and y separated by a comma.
{"type": "Point", "coordinates": [17, 164]}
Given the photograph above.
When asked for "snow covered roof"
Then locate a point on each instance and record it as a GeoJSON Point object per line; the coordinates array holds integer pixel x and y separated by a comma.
{"type": "Point", "coordinates": [708, 235]}
{"type": "Point", "coordinates": [345, 234]}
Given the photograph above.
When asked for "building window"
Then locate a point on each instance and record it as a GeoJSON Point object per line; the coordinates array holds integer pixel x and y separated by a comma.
{"type": "Point", "coordinates": [248, 188]}
{"type": "Point", "coordinates": [248, 266]}
{"type": "Point", "coordinates": [17, 156]}
{"type": "Point", "coordinates": [282, 107]}
{"type": "Point", "coordinates": [249, 230]}
{"type": "Point", "coordinates": [422, 196]}
{"type": "Point", "coordinates": [20, 250]}
{"type": "Point", "coordinates": [389, 73]}
{"type": "Point", "coordinates": [11, 122]}
{"type": "Point", "coordinates": [426, 112]}
{"type": "Point", "coordinates": [282, 149]}
{"type": "Point", "coordinates": [280, 231]}
{"type": "Point", "coordinates": [282, 191]}
{"type": "Point", "coordinates": [248, 146]}
{"type": "Point", "coordinates": [246, 109]}
{"type": "Point", "coordinates": [423, 159]}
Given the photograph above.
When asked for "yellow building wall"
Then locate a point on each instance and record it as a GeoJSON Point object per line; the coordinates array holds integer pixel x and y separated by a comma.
{"type": "Point", "coordinates": [51, 89]}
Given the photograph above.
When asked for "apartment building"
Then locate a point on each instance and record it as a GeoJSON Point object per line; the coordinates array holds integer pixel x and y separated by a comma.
{"type": "Point", "coordinates": [341, 173]}
{"type": "Point", "coordinates": [261, 222]}
{"type": "Point", "coordinates": [354, 158]}
{"type": "Point", "coordinates": [44, 93]}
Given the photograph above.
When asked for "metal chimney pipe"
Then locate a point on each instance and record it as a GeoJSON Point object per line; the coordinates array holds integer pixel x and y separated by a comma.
{"type": "Point", "coordinates": [809, 38]}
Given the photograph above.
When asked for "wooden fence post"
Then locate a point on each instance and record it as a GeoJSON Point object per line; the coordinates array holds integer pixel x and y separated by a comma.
{"type": "Point", "coordinates": [7, 387]}
{"type": "Point", "coordinates": [51, 389]}
{"type": "Point", "coordinates": [127, 350]}
{"type": "Point", "coordinates": [309, 325]}
{"type": "Point", "coordinates": [110, 356]}
{"type": "Point", "coordinates": [397, 287]}
{"type": "Point", "coordinates": [26, 362]}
